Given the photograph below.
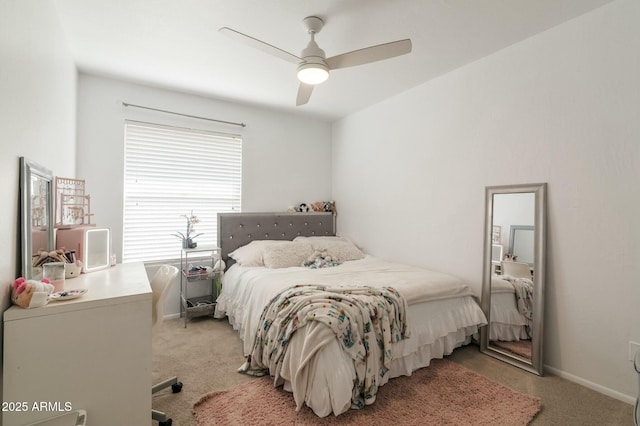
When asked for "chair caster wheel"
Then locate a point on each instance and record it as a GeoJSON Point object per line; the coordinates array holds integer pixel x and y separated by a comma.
{"type": "Point", "coordinates": [176, 388]}
{"type": "Point", "coordinates": [165, 423]}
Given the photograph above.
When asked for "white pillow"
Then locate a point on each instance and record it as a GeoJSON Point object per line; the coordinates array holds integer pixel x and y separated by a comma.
{"type": "Point", "coordinates": [251, 254]}
{"type": "Point", "coordinates": [338, 247]}
{"type": "Point", "coordinates": [286, 255]}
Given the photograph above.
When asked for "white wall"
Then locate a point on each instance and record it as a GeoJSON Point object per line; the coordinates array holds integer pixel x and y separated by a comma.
{"type": "Point", "coordinates": [286, 158]}
{"type": "Point", "coordinates": [37, 112]}
{"type": "Point", "coordinates": [561, 107]}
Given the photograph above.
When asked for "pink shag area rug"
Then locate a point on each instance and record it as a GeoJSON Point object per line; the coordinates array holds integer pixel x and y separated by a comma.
{"type": "Point", "coordinates": [445, 393]}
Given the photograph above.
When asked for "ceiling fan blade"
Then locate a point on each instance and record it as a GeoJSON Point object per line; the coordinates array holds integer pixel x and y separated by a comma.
{"type": "Point", "coordinates": [304, 93]}
{"type": "Point", "coordinates": [370, 54]}
{"type": "Point", "coordinates": [259, 44]}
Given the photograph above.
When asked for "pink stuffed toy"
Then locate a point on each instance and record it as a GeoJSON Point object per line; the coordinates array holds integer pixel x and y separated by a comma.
{"type": "Point", "coordinates": [31, 293]}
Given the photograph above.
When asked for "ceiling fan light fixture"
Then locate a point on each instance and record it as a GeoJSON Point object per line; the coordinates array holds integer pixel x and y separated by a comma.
{"type": "Point", "coordinates": [313, 73]}
{"type": "Point", "coordinates": [313, 65]}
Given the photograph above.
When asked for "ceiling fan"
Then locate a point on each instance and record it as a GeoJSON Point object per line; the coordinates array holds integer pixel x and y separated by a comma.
{"type": "Point", "coordinates": [313, 65]}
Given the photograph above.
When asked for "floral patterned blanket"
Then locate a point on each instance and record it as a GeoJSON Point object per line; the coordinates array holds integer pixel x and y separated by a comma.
{"type": "Point", "coordinates": [523, 288]}
{"type": "Point", "coordinates": [366, 321]}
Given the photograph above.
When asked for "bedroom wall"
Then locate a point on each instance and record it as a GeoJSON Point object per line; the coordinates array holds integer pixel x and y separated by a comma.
{"type": "Point", "coordinates": [560, 107]}
{"type": "Point", "coordinates": [37, 112]}
{"type": "Point", "coordinates": [286, 158]}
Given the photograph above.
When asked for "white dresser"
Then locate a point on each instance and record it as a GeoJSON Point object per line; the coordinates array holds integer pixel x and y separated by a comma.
{"type": "Point", "coordinates": [91, 353]}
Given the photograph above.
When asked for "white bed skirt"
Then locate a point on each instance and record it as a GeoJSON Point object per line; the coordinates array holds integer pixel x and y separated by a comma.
{"type": "Point", "coordinates": [507, 323]}
{"type": "Point", "coordinates": [442, 315]}
{"type": "Point", "coordinates": [332, 371]}
{"type": "Point", "coordinates": [443, 326]}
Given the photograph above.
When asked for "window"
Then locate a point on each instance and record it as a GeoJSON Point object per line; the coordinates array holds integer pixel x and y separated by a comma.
{"type": "Point", "coordinates": [171, 172]}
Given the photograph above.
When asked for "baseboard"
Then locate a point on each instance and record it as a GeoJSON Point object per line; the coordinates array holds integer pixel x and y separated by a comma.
{"type": "Point", "coordinates": [593, 386]}
{"type": "Point", "coordinates": [172, 316]}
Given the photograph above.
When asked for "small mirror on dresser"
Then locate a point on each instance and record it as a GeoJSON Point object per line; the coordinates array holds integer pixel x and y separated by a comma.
{"type": "Point", "coordinates": [36, 214]}
{"type": "Point", "coordinates": [514, 274]}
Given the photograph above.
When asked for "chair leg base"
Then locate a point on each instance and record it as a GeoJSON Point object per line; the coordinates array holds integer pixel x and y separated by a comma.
{"type": "Point", "coordinates": [176, 387]}
{"type": "Point", "coordinates": [159, 416]}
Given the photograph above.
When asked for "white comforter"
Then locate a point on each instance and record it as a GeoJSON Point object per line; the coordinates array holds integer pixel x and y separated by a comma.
{"type": "Point", "coordinates": [244, 304]}
{"type": "Point", "coordinates": [443, 313]}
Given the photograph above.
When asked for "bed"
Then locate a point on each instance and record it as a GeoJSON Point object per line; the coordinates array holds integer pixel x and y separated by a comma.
{"type": "Point", "coordinates": [317, 368]}
{"type": "Point", "coordinates": [509, 323]}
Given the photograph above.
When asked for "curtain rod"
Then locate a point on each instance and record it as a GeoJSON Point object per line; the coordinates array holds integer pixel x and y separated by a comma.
{"type": "Point", "coordinates": [184, 115]}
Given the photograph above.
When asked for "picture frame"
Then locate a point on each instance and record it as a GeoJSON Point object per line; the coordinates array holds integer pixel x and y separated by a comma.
{"type": "Point", "coordinates": [496, 234]}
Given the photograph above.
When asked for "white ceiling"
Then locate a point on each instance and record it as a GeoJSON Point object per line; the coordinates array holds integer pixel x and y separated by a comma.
{"type": "Point", "coordinates": [175, 44]}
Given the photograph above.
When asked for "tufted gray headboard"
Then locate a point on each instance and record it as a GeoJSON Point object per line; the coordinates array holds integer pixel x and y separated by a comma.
{"type": "Point", "coordinates": [238, 229]}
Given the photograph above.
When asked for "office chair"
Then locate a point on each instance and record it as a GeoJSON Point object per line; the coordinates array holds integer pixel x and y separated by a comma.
{"type": "Point", "coordinates": [160, 285]}
{"type": "Point", "coordinates": [516, 269]}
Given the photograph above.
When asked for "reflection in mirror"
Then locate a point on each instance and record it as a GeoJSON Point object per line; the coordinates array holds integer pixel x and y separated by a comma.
{"type": "Point", "coordinates": [521, 242]}
{"type": "Point", "coordinates": [36, 204]}
{"type": "Point", "coordinates": [513, 274]}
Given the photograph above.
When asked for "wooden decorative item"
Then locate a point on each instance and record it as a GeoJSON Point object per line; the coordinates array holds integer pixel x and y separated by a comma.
{"type": "Point", "coordinates": [73, 206]}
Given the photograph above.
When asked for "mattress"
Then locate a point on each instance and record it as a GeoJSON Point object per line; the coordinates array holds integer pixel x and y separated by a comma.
{"type": "Point", "coordinates": [443, 314]}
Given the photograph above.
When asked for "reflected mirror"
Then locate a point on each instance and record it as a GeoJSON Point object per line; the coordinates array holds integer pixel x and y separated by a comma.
{"type": "Point", "coordinates": [36, 205]}
{"type": "Point", "coordinates": [521, 236]}
{"type": "Point", "coordinates": [513, 274]}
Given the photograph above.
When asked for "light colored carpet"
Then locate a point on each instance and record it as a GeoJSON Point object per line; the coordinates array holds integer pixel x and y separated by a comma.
{"type": "Point", "coordinates": [206, 355]}
{"type": "Point", "coordinates": [444, 393]}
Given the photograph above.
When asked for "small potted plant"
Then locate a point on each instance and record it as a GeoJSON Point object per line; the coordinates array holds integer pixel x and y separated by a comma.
{"type": "Point", "coordinates": [188, 237]}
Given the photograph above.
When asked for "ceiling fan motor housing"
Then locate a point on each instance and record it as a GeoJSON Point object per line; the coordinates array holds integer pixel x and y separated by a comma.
{"type": "Point", "coordinates": [313, 69]}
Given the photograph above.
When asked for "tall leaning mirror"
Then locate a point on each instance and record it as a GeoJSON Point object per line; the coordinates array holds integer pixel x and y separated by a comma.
{"type": "Point", "coordinates": [36, 206]}
{"type": "Point", "coordinates": [514, 274]}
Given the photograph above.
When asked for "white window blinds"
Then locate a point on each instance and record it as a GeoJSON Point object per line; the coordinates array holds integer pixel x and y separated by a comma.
{"type": "Point", "coordinates": [170, 172]}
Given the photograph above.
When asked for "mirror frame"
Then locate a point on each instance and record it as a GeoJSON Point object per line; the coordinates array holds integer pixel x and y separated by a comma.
{"type": "Point", "coordinates": [535, 365]}
{"type": "Point", "coordinates": [28, 170]}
